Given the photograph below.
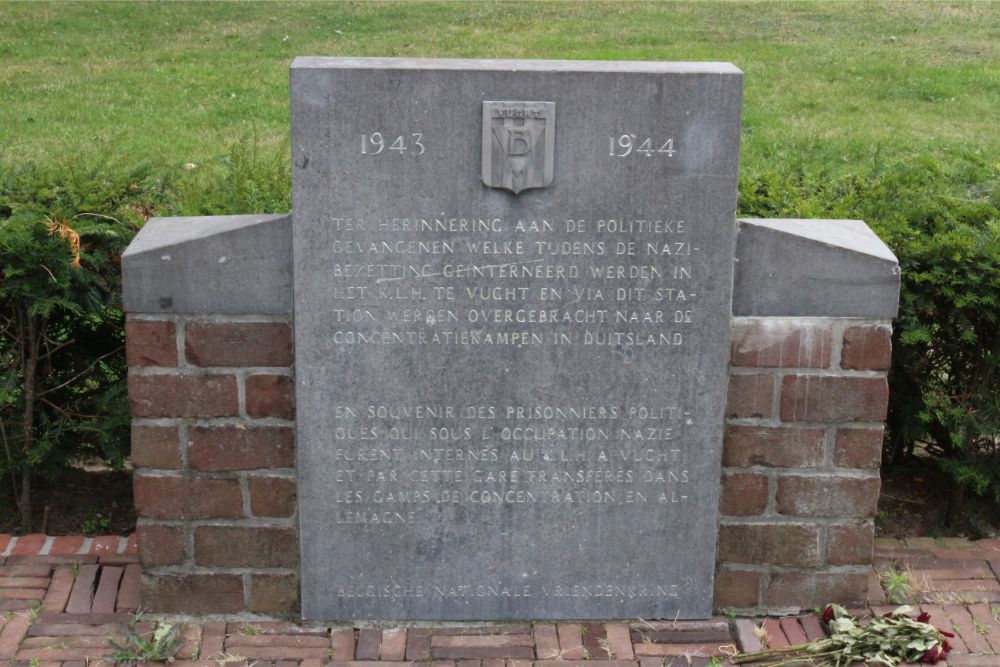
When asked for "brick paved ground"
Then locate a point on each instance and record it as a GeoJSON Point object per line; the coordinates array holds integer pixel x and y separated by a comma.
{"type": "Point", "coordinates": [62, 600]}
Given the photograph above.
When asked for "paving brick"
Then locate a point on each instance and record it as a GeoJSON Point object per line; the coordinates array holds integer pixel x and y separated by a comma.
{"type": "Point", "coordinates": [775, 634]}
{"type": "Point", "coordinates": [270, 396]}
{"type": "Point", "coordinates": [546, 641]}
{"type": "Point", "coordinates": [82, 619]}
{"type": "Point", "coordinates": [150, 343]}
{"type": "Point", "coordinates": [66, 545]}
{"type": "Point", "coordinates": [570, 641]}
{"type": "Point", "coordinates": [62, 654]}
{"type": "Point", "coordinates": [72, 641]}
{"type": "Point", "coordinates": [23, 582]}
{"type": "Point", "coordinates": [14, 630]}
{"type": "Point", "coordinates": [241, 448]}
{"type": "Point", "coordinates": [595, 642]}
{"type": "Point", "coordinates": [750, 396]}
{"type": "Point", "coordinates": [811, 626]}
{"type": "Point", "coordinates": [418, 644]}
{"type": "Point", "coordinates": [28, 545]}
{"type": "Point", "coordinates": [131, 546]}
{"type": "Point", "coordinates": [105, 545]}
{"type": "Point", "coordinates": [290, 641]}
{"type": "Point", "coordinates": [369, 640]}
{"type": "Point", "coordinates": [481, 652]}
{"type": "Point", "coordinates": [192, 640]}
{"type": "Point", "coordinates": [107, 590]}
{"type": "Point", "coordinates": [775, 447]}
{"type": "Point", "coordinates": [692, 650]}
{"type": "Point", "coordinates": [764, 343]}
{"type": "Point", "coordinates": [212, 640]}
{"type": "Point", "coordinates": [275, 628]}
{"type": "Point", "coordinates": [131, 587]}
{"type": "Point", "coordinates": [82, 595]}
{"type": "Point", "coordinates": [343, 644]}
{"type": "Point", "coordinates": [257, 653]}
{"type": "Point", "coordinates": [238, 343]}
{"type": "Point", "coordinates": [505, 629]}
{"type": "Point", "coordinates": [25, 570]}
{"type": "Point", "coordinates": [203, 396]}
{"type": "Point", "coordinates": [793, 631]}
{"type": "Point", "coordinates": [51, 560]}
{"type": "Point", "coordinates": [22, 593]}
{"type": "Point", "coordinates": [619, 641]}
{"type": "Point", "coordinates": [393, 646]}
{"type": "Point", "coordinates": [77, 630]}
{"type": "Point", "coordinates": [480, 640]}
{"type": "Point", "coordinates": [746, 635]}
{"type": "Point", "coordinates": [961, 621]}
{"type": "Point", "coordinates": [983, 618]}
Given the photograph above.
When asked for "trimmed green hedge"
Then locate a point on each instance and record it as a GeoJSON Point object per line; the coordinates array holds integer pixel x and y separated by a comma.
{"type": "Point", "coordinates": [943, 225]}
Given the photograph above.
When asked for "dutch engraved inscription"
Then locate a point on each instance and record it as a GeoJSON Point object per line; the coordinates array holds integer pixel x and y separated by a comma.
{"type": "Point", "coordinates": [511, 407]}
{"type": "Point", "coordinates": [518, 144]}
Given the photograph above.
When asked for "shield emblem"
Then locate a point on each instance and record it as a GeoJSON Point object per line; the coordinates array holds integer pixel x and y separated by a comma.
{"type": "Point", "coordinates": [518, 143]}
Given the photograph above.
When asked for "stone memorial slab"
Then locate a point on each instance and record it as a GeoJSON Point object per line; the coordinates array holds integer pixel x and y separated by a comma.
{"type": "Point", "coordinates": [512, 286]}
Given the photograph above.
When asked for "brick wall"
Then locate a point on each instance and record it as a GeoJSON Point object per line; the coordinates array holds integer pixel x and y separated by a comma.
{"type": "Point", "coordinates": [213, 448]}
{"type": "Point", "coordinates": [800, 481]}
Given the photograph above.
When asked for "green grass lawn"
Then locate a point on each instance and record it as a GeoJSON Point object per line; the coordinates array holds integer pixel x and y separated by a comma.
{"type": "Point", "coordinates": [830, 86]}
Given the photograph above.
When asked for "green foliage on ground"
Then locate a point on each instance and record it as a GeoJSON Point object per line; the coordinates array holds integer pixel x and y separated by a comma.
{"type": "Point", "coordinates": [884, 112]}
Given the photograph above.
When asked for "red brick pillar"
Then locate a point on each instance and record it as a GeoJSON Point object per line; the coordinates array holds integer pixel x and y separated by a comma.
{"type": "Point", "coordinates": [213, 448]}
{"type": "Point", "coordinates": [800, 481]}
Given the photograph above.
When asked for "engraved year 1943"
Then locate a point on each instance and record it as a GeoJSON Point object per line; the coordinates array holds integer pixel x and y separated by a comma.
{"type": "Point", "coordinates": [375, 143]}
{"type": "Point", "coordinates": [631, 145]}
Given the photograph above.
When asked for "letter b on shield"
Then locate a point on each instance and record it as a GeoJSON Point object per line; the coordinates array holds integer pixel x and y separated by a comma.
{"type": "Point", "coordinates": [518, 142]}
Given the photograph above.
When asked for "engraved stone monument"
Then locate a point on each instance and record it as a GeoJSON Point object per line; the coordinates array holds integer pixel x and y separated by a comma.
{"type": "Point", "coordinates": [512, 287]}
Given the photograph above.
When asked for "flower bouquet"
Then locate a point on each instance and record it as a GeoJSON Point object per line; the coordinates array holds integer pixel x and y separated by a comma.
{"type": "Point", "coordinates": [890, 640]}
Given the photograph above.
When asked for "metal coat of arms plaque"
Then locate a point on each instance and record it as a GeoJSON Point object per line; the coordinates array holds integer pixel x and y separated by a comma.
{"type": "Point", "coordinates": [518, 144]}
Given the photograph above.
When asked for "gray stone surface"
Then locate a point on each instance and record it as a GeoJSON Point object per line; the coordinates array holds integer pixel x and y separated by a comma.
{"type": "Point", "coordinates": [230, 265]}
{"type": "Point", "coordinates": [465, 452]}
{"type": "Point", "coordinates": [813, 268]}
{"type": "Point", "coordinates": [761, 289]}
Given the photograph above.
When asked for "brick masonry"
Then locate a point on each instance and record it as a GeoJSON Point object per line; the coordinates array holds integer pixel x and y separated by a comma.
{"type": "Point", "coordinates": [800, 476]}
{"type": "Point", "coordinates": [215, 484]}
{"type": "Point", "coordinates": [214, 450]}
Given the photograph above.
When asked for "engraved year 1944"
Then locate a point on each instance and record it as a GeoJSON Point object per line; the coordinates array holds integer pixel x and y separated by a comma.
{"type": "Point", "coordinates": [631, 145]}
{"type": "Point", "coordinates": [375, 143]}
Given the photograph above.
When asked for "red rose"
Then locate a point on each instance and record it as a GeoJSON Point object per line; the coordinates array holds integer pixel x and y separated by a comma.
{"type": "Point", "coordinates": [946, 634]}
{"type": "Point", "coordinates": [924, 617]}
{"type": "Point", "coordinates": [945, 646]}
{"type": "Point", "coordinates": [934, 654]}
{"type": "Point", "coordinates": [828, 614]}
